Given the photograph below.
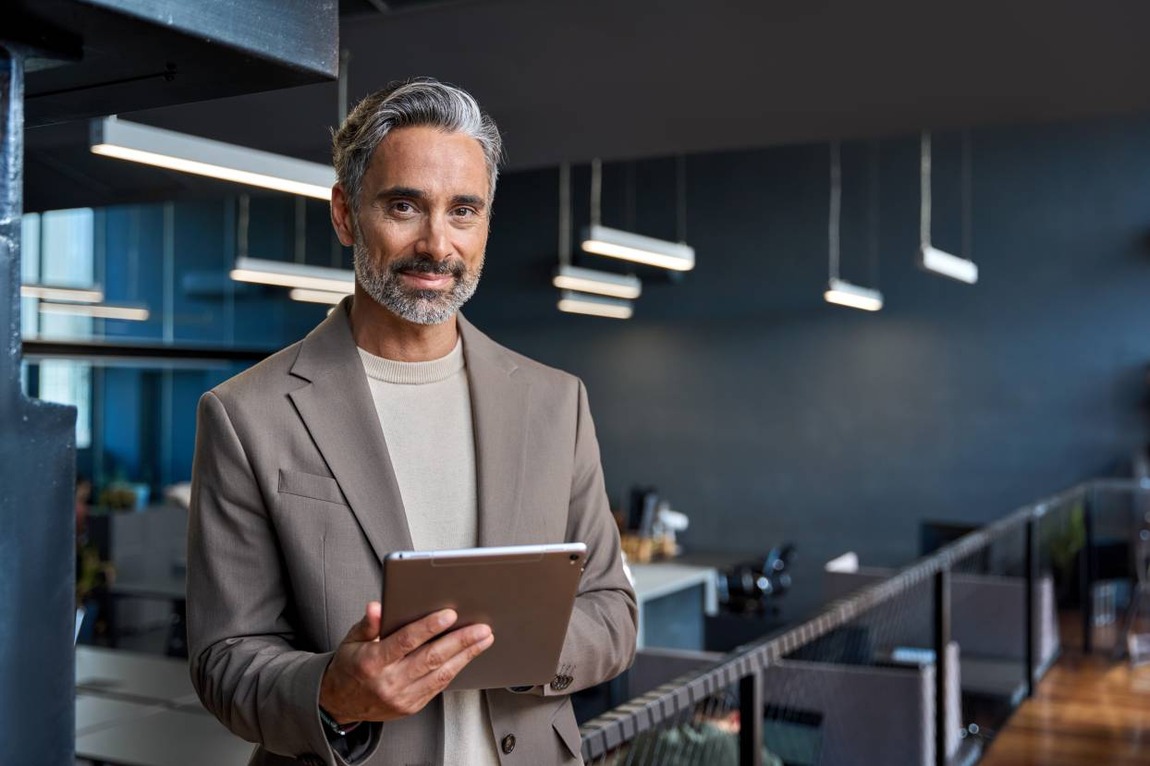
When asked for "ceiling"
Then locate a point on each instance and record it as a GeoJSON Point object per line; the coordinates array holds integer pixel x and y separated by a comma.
{"type": "Point", "coordinates": [575, 80]}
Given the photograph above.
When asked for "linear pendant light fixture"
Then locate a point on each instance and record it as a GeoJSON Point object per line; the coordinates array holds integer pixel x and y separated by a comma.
{"type": "Point", "coordinates": [113, 137]}
{"type": "Point", "coordinates": [615, 243]}
{"type": "Point", "coordinates": [588, 291]}
{"type": "Point", "coordinates": [57, 293]}
{"type": "Point", "coordinates": [313, 284]}
{"type": "Point", "coordinates": [839, 291]}
{"type": "Point", "coordinates": [595, 305]}
{"type": "Point", "coordinates": [847, 294]}
{"type": "Point", "coordinates": [625, 286]}
{"type": "Point", "coordinates": [297, 275]}
{"type": "Point", "coordinates": [97, 311]}
{"type": "Point", "coordinates": [304, 295]}
{"type": "Point", "coordinates": [628, 246]}
{"type": "Point", "coordinates": [930, 258]}
{"type": "Point", "coordinates": [80, 301]}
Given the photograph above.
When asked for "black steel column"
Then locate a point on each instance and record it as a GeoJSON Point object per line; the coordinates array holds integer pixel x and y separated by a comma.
{"type": "Point", "coordinates": [751, 720]}
{"type": "Point", "coordinates": [37, 479]}
{"type": "Point", "coordinates": [1031, 564]}
{"type": "Point", "coordinates": [941, 663]}
{"type": "Point", "coordinates": [1086, 572]}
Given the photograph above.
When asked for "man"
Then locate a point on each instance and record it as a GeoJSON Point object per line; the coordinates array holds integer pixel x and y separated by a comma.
{"type": "Point", "coordinates": [394, 425]}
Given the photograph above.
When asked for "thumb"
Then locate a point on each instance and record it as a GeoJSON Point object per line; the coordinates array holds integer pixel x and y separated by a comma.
{"type": "Point", "coordinates": [367, 629]}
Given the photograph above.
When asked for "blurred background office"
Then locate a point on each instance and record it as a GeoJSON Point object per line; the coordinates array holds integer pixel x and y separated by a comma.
{"type": "Point", "coordinates": [778, 152]}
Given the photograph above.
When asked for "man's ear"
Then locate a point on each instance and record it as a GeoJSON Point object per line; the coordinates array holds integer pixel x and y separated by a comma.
{"type": "Point", "coordinates": [342, 217]}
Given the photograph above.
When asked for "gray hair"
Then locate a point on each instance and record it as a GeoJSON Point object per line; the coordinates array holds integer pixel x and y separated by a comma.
{"type": "Point", "coordinates": [417, 102]}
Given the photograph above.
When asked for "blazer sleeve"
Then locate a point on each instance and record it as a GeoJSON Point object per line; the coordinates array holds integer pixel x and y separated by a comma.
{"type": "Point", "coordinates": [600, 642]}
{"type": "Point", "coordinates": [244, 664]}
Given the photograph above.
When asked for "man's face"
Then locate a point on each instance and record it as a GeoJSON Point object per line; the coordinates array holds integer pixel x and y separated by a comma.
{"type": "Point", "coordinates": [421, 230]}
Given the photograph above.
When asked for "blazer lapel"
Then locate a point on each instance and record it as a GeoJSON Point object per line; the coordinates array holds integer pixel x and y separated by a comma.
{"type": "Point", "coordinates": [339, 413]}
{"type": "Point", "coordinates": [500, 404]}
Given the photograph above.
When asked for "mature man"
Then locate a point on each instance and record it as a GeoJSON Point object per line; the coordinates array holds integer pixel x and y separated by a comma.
{"type": "Point", "coordinates": [394, 425]}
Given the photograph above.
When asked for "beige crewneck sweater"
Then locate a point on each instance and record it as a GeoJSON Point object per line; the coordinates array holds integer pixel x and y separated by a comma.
{"type": "Point", "coordinates": [425, 411]}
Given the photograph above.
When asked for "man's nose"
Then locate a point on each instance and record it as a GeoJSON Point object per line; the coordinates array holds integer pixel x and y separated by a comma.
{"type": "Point", "coordinates": [435, 239]}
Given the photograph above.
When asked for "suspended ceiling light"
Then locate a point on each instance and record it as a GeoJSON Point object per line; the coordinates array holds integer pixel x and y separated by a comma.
{"type": "Point", "coordinates": [599, 282]}
{"type": "Point", "coordinates": [284, 274]}
{"type": "Point", "coordinates": [112, 137]}
{"type": "Point", "coordinates": [628, 246]}
{"type": "Point", "coordinates": [595, 305]}
{"type": "Point", "coordinates": [846, 294]}
{"type": "Point", "coordinates": [947, 265]}
{"type": "Point", "coordinates": [130, 313]}
{"type": "Point", "coordinates": [930, 258]}
{"type": "Point", "coordinates": [839, 291]}
{"type": "Point", "coordinates": [316, 296]}
{"type": "Point", "coordinates": [55, 293]}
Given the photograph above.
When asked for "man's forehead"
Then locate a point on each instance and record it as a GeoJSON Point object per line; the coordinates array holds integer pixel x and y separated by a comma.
{"type": "Point", "coordinates": [430, 156]}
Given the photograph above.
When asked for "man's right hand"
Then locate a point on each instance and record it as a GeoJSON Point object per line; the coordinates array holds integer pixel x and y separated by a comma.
{"type": "Point", "coordinates": [381, 678]}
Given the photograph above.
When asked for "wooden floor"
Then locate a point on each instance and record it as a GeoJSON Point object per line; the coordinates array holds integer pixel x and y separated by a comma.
{"type": "Point", "coordinates": [1087, 710]}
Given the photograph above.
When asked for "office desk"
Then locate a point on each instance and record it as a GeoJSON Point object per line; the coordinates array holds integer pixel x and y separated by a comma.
{"type": "Point", "coordinates": [134, 677]}
{"type": "Point", "coordinates": [94, 713]}
{"type": "Point", "coordinates": [673, 599]}
{"type": "Point", "coordinates": [164, 738]}
{"type": "Point", "coordinates": [140, 710]}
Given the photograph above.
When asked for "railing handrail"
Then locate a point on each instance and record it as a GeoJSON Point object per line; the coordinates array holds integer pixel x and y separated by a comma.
{"type": "Point", "coordinates": [608, 731]}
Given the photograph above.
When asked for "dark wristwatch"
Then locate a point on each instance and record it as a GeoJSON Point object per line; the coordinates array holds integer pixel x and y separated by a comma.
{"type": "Point", "coordinates": [333, 728]}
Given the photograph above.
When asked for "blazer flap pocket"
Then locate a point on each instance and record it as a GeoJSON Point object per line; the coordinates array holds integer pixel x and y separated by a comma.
{"type": "Point", "coordinates": [568, 730]}
{"type": "Point", "coordinates": [309, 485]}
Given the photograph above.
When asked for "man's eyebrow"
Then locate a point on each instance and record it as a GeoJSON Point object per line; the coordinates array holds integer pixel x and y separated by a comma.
{"type": "Point", "coordinates": [401, 191]}
{"type": "Point", "coordinates": [410, 192]}
{"type": "Point", "coordinates": [469, 199]}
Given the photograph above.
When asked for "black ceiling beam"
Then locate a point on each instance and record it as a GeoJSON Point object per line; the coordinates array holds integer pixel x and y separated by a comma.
{"type": "Point", "coordinates": [106, 352]}
{"type": "Point", "coordinates": [108, 56]}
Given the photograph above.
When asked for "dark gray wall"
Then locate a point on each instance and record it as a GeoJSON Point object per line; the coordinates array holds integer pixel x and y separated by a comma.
{"type": "Point", "coordinates": [766, 414]}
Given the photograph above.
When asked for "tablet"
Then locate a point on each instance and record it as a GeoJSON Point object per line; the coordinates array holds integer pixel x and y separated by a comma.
{"type": "Point", "coordinates": [524, 592]}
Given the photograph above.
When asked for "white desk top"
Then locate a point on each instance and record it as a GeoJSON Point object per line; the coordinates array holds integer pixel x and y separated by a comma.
{"type": "Point", "coordinates": [134, 677]}
{"type": "Point", "coordinates": [169, 738]}
{"type": "Point", "coordinates": [94, 713]}
{"type": "Point", "coordinates": [653, 581]}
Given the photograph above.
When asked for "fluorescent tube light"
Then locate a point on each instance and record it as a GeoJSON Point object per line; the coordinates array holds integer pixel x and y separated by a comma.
{"type": "Point", "coordinates": [845, 294]}
{"type": "Point", "coordinates": [112, 137]}
{"type": "Point", "coordinates": [284, 274]}
{"type": "Point", "coordinates": [614, 243]}
{"type": "Point", "coordinates": [577, 303]}
{"type": "Point", "coordinates": [940, 262]}
{"type": "Point", "coordinates": [96, 311]}
{"type": "Point", "coordinates": [599, 282]}
{"type": "Point", "coordinates": [316, 296]}
{"type": "Point", "coordinates": [52, 293]}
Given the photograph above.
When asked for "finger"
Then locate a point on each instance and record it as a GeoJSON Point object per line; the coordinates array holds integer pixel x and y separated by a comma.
{"type": "Point", "coordinates": [367, 629]}
{"type": "Point", "coordinates": [437, 678]}
{"type": "Point", "coordinates": [439, 653]}
{"type": "Point", "coordinates": [415, 634]}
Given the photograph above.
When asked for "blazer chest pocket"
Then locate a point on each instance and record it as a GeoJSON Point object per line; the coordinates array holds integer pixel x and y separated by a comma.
{"type": "Point", "coordinates": [309, 485]}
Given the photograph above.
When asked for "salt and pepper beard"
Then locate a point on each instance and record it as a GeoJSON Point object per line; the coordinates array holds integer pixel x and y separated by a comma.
{"type": "Point", "coordinates": [426, 307]}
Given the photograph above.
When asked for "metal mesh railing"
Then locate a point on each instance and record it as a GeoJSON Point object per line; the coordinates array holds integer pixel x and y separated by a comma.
{"type": "Point", "coordinates": [915, 666]}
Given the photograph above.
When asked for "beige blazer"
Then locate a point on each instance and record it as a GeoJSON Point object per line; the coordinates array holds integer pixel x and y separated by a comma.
{"type": "Point", "coordinates": [295, 504]}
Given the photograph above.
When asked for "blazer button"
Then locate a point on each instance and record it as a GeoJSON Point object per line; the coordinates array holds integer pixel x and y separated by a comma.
{"type": "Point", "coordinates": [508, 744]}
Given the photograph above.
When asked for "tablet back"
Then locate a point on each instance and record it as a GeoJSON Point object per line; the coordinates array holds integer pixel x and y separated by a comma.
{"type": "Point", "coordinates": [525, 593]}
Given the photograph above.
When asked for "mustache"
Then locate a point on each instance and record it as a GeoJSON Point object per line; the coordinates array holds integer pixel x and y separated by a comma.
{"type": "Point", "coordinates": [422, 264]}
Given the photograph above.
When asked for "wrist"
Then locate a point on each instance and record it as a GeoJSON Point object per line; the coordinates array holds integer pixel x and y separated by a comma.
{"type": "Point", "coordinates": [333, 727]}
{"type": "Point", "coordinates": [329, 700]}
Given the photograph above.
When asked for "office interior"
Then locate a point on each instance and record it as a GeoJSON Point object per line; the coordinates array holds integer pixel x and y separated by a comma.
{"type": "Point", "coordinates": [786, 147]}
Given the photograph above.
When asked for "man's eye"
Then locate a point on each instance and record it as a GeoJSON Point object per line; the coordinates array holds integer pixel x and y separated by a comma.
{"type": "Point", "coordinates": [464, 212]}
{"type": "Point", "coordinates": [402, 207]}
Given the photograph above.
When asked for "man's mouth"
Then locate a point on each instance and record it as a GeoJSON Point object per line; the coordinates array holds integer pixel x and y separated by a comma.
{"type": "Point", "coordinates": [422, 280]}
